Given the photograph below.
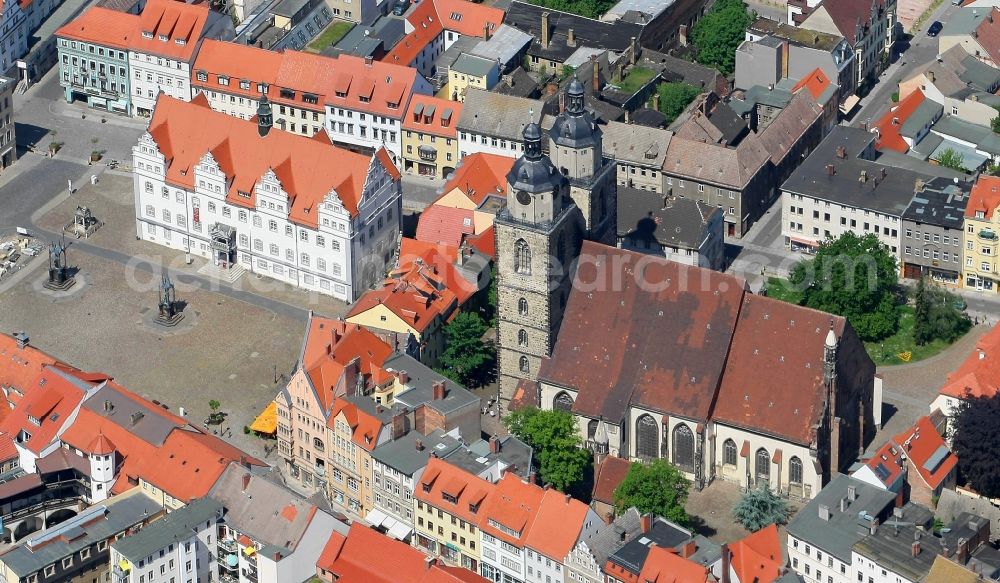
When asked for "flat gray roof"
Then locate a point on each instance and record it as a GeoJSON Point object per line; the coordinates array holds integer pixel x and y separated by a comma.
{"type": "Point", "coordinates": [173, 528]}
{"type": "Point", "coordinates": [420, 389]}
{"type": "Point", "coordinates": [473, 65]}
{"type": "Point", "coordinates": [403, 456]}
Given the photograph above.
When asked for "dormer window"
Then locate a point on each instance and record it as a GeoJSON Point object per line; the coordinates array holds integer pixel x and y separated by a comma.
{"type": "Point", "coordinates": [341, 94]}
{"type": "Point", "coordinates": [262, 88]}
{"type": "Point", "coordinates": [287, 94]}
{"type": "Point", "coordinates": [146, 34]}
{"type": "Point", "coordinates": [223, 80]}
{"type": "Point", "coordinates": [202, 76]}
{"type": "Point", "coordinates": [180, 41]}
{"type": "Point", "coordinates": [243, 194]}
{"type": "Point", "coordinates": [426, 487]}
{"type": "Point", "coordinates": [34, 421]}
{"type": "Point", "coordinates": [364, 99]}
{"type": "Point", "coordinates": [474, 508]}
{"type": "Point", "coordinates": [392, 105]}
{"type": "Point", "coordinates": [164, 37]}
{"type": "Point", "coordinates": [310, 98]}
{"type": "Point", "coordinates": [244, 84]}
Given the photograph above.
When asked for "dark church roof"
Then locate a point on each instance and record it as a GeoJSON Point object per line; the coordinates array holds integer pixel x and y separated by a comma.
{"type": "Point", "coordinates": [574, 127]}
{"type": "Point", "coordinates": [534, 173]}
{"type": "Point", "coordinates": [589, 32]}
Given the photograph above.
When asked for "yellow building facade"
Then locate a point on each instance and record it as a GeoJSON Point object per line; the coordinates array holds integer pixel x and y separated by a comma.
{"type": "Point", "coordinates": [429, 139]}
{"type": "Point", "coordinates": [981, 239]}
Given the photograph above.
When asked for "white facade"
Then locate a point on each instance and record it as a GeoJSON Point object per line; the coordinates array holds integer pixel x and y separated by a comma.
{"type": "Point", "coordinates": [807, 220]}
{"type": "Point", "coordinates": [472, 143]}
{"type": "Point", "coordinates": [15, 33]}
{"type": "Point", "coordinates": [341, 257]}
{"type": "Point", "coordinates": [152, 74]}
{"type": "Point", "coordinates": [365, 130]}
{"type": "Point", "coordinates": [191, 559]}
{"type": "Point", "coordinates": [300, 565]}
{"type": "Point", "coordinates": [501, 561]}
{"type": "Point", "coordinates": [102, 475]}
{"type": "Point", "coordinates": [540, 568]}
{"type": "Point", "coordinates": [393, 492]}
{"type": "Point", "coordinates": [229, 104]}
{"type": "Point", "coordinates": [816, 565]}
{"type": "Point", "coordinates": [793, 472]}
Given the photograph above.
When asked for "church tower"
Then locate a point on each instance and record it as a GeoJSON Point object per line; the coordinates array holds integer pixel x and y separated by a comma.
{"type": "Point", "coordinates": [538, 238]}
{"type": "Point", "coordinates": [576, 149]}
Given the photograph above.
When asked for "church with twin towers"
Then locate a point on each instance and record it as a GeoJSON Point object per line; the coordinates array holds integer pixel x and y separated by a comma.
{"type": "Point", "coordinates": [554, 203]}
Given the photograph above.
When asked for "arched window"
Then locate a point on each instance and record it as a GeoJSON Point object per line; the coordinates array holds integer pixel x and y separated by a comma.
{"type": "Point", "coordinates": [522, 307]}
{"type": "Point", "coordinates": [523, 364]}
{"type": "Point", "coordinates": [562, 402]}
{"type": "Point", "coordinates": [592, 429]}
{"type": "Point", "coordinates": [522, 338]}
{"type": "Point", "coordinates": [683, 454]}
{"type": "Point", "coordinates": [795, 470]}
{"type": "Point", "coordinates": [763, 464]}
{"type": "Point", "coordinates": [729, 452]}
{"type": "Point", "coordinates": [647, 437]}
{"type": "Point", "coordinates": [522, 257]}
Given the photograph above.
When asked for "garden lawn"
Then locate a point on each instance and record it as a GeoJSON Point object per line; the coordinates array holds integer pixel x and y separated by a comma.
{"type": "Point", "coordinates": [780, 289]}
{"type": "Point", "coordinates": [636, 78]}
{"type": "Point", "coordinates": [331, 35]}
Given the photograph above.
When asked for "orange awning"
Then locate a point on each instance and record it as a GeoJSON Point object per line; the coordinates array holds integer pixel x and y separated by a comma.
{"type": "Point", "coordinates": [267, 421]}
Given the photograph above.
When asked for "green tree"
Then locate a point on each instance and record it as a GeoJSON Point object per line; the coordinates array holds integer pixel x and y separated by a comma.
{"type": "Point", "coordinates": [937, 315]}
{"type": "Point", "coordinates": [952, 159]}
{"type": "Point", "coordinates": [854, 277]}
{"type": "Point", "coordinates": [466, 359]}
{"type": "Point", "coordinates": [717, 35]}
{"type": "Point", "coordinates": [995, 122]}
{"type": "Point", "coordinates": [657, 487]}
{"type": "Point", "coordinates": [566, 72]}
{"type": "Point", "coordinates": [588, 8]}
{"type": "Point", "coordinates": [492, 298]}
{"type": "Point", "coordinates": [760, 507]}
{"type": "Point", "coordinates": [674, 97]}
{"type": "Point", "coordinates": [562, 462]}
{"type": "Point", "coordinates": [974, 429]}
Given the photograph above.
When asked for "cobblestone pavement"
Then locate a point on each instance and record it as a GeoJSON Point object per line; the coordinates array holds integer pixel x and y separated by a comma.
{"type": "Point", "coordinates": [910, 388]}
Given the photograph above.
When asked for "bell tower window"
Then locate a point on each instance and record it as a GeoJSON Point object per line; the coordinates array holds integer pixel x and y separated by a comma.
{"type": "Point", "coordinates": [522, 257]}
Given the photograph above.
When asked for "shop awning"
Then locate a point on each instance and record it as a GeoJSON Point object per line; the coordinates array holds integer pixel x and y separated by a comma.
{"type": "Point", "coordinates": [376, 517]}
{"type": "Point", "coordinates": [850, 103]}
{"type": "Point", "coordinates": [267, 421]}
{"type": "Point", "coordinates": [400, 531]}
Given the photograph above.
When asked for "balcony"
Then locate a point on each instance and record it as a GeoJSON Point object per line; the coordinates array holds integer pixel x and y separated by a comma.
{"type": "Point", "coordinates": [227, 544]}
{"type": "Point", "coordinates": [319, 471]}
{"type": "Point", "coordinates": [988, 235]}
{"type": "Point", "coordinates": [427, 153]}
{"type": "Point", "coordinates": [119, 575]}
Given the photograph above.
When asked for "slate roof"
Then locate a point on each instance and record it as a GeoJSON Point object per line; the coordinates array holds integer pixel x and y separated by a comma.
{"type": "Point", "coordinates": [517, 83]}
{"type": "Point", "coordinates": [848, 15]}
{"type": "Point", "coordinates": [890, 546]}
{"type": "Point", "coordinates": [173, 528]}
{"type": "Point", "coordinates": [402, 454]}
{"type": "Point", "coordinates": [676, 222]}
{"type": "Point", "coordinates": [420, 391]}
{"type": "Point", "coordinates": [674, 69]}
{"type": "Point", "coordinates": [941, 203]}
{"type": "Point", "coordinates": [837, 535]}
{"type": "Point", "coordinates": [662, 533]}
{"type": "Point", "coordinates": [956, 71]}
{"type": "Point", "coordinates": [493, 114]}
{"type": "Point", "coordinates": [889, 194]}
{"type": "Point", "coordinates": [657, 360]}
{"type": "Point", "coordinates": [611, 537]}
{"type": "Point", "coordinates": [589, 32]}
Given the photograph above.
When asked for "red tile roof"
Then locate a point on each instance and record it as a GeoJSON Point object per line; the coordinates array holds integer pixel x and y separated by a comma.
{"type": "Point", "coordinates": [514, 504]}
{"type": "Point", "coordinates": [557, 525]}
{"type": "Point", "coordinates": [186, 465]}
{"type": "Point", "coordinates": [45, 408]}
{"type": "Point", "coordinates": [418, 294]}
{"type": "Point", "coordinates": [365, 428]}
{"type": "Point", "coordinates": [444, 225]}
{"type": "Point", "coordinates": [360, 557]}
{"type": "Point", "coordinates": [758, 557]}
{"type": "Point", "coordinates": [334, 352]}
{"type": "Point", "coordinates": [341, 81]}
{"type": "Point", "coordinates": [481, 175]}
{"type": "Point", "coordinates": [815, 82]}
{"type": "Point", "coordinates": [988, 34]}
{"type": "Point", "coordinates": [431, 17]}
{"type": "Point", "coordinates": [927, 451]}
{"type": "Point", "coordinates": [608, 475]}
{"type": "Point", "coordinates": [170, 21]}
{"type": "Point", "coordinates": [19, 367]}
{"type": "Point", "coordinates": [102, 26]}
{"type": "Point", "coordinates": [666, 566]}
{"type": "Point", "coordinates": [185, 132]}
{"type": "Point", "coordinates": [985, 197]}
{"type": "Point", "coordinates": [410, 249]}
{"type": "Point", "coordinates": [671, 336]}
{"type": "Point", "coordinates": [433, 116]}
{"type": "Point", "coordinates": [100, 445]}
{"type": "Point", "coordinates": [468, 490]}
{"type": "Point", "coordinates": [887, 464]}
{"type": "Point", "coordinates": [890, 124]}
{"type": "Point", "coordinates": [788, 341]}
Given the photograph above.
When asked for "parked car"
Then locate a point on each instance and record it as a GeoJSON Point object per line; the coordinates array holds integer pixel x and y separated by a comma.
{"type": "Point", "coordinates": [934, 28]}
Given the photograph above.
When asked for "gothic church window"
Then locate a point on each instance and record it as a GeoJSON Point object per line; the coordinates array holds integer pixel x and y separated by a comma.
{"type": "Point", "coordinates": [647, 437]}
{"type": "Point", "coordinates": [763, 464]}
{"type": "Point", "coordinates": [522, 257]}
{"type": "Point", "coordinates": [522, 307]}
{"type": "Point", "coordinates": [522, 338]}
{"type": "Point", "coordinates": [523, 364]}
{"type": "Point", "coordinates": [729, 452]}
{"type": "Point", "coordinates": [683, 452]}
{"type": "Point", "coordinates": [795, 470]}
{"type": "Point", "coordinates": [562, 402]}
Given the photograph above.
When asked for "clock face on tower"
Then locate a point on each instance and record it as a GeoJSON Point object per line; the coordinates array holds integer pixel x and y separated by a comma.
{"type": "Point", "coordinates": [523, 198]}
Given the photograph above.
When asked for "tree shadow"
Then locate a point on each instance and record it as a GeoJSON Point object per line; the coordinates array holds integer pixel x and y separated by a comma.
{"type": "Point", "coordinates": [699, 526]}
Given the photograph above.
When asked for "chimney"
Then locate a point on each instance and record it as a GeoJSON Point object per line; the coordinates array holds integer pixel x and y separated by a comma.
{"type": "Point", "coordinates": [430, 562]}
{"type": "Point", "coordinates": [546, 33]}
{"type": "Point", "coordinates": [108, 406]}
{"type": "Point", "coordinates": [571, 38]}
{"type": "Point", "coordinates": [726, 558]}
{"type": "Point", "coordinates": [690, 548]}
{"type": "Point", "coordinates": [608, 518]}
{"type": "Point", "coordinates": [682, 35]}
{"type": "Point", "coordinates": [852, 493]}
{"type": "Point", "coordinates": [961, 553]}
{"type": "Point", "coordinates": [404, 377]}
{"type": "Point", "coordinates": [824, 510]}
{"type": "Point", "coordinates": [595, 73]}
{"type": "Point", "coordinates": [784, 59]}
{"type": "Point", "coordinates": [915, 549]}
{"type": "Point", "coordinates": [884, 172]}
{"type": "Point", "coordinates": [633, 51]}
{"type": "Point", "coordinates": [656, 101]}
{"type": "Point", "coordinates": [831, 169]}
{"type": "Point", "coordinates": [439, 391]}
{"type": "Point", "coordinates": [136, 417]}
{"type": "Point", "coordinates": [21, 338]}
{"type": "Point", "coordinates": [486, 30]}
{"type": "Point", "coordinates": [841, 152]}
{"type": "Point", "coordinates": [398, 424]}
{"type": "Point", "coordinates": [369, 60]}
{"type": "Point", "coordinates": [246, 481]}
{"type": "Point", "coordinates": [419, 444]}
{"type": "Point", "coordinates": [864, 176]}
{"type": "Point", "coordinates": [646, 522]}
{"type": "Point", "coordinates": [628, 116]}
{"type": "Point", "coordinates": [533, 479]}
{"type": "Point", "coordinates": [930, 76]}
{"type": "Point", "coordinates": [494, 444]}
{"type": "Point", "coordinates": [918, 186]}
{"type": "Point", "coordinates": [982, 354]}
